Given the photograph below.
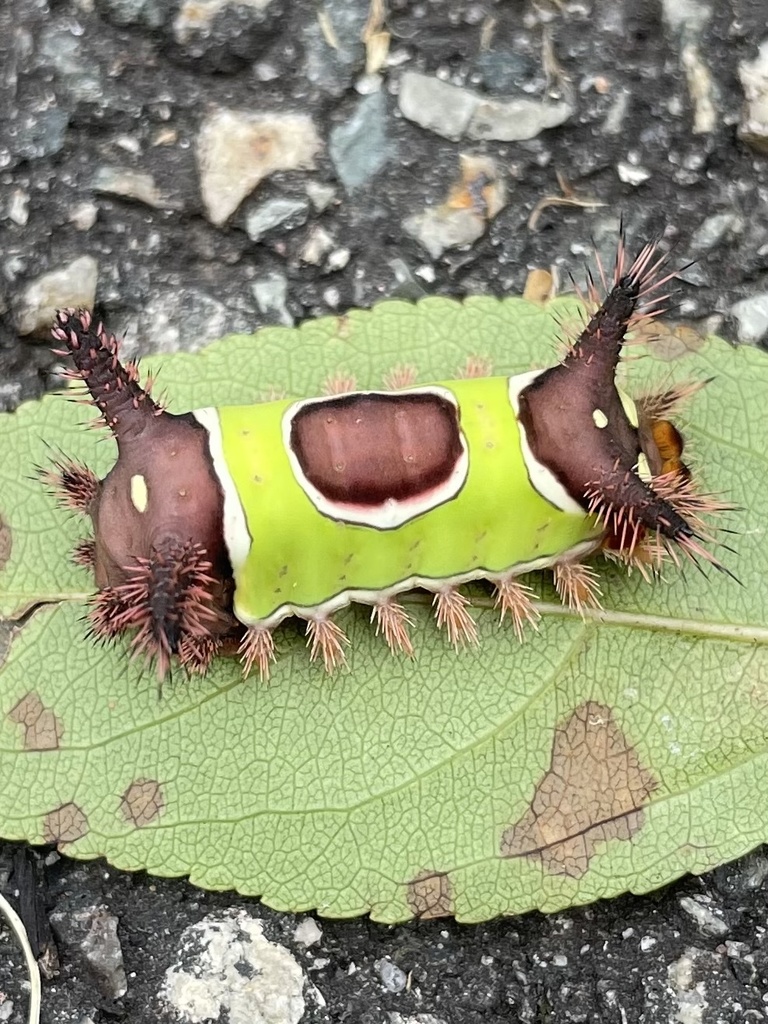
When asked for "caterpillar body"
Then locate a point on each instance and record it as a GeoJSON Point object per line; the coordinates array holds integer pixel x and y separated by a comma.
{"type": "Point", "coordinates": [214, 526]}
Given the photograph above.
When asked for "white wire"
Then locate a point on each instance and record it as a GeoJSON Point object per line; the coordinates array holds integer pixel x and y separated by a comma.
{"type": "Point", "coordinates": [18, 929]}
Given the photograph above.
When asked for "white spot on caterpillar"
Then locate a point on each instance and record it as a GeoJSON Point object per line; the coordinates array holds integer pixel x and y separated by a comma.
{"type": "Point", "coordinates": [643, 469]}
{"type": "Point", "coordinates": [601, 420]}
{"type": "Point", "coordinates": [236, 535]}
{"type": "Point", "coordinates": [629, 408]}
{"type": "Point", "coordinates": [139, 493]}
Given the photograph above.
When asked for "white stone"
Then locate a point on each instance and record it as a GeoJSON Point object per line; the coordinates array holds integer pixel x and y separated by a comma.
{"type": "Point", "coordinates": [614, 119]}
{"type": "Point", "coordinates": [438, 228]}
{"type": "Point", "coordinates": [271, 294]}
{"type": "Point", "coordinates": [701, 89]}
{"type": "Point", "coordinates": [689, 15]}
{"type": "Point", "coordinates": [690, 996]}
{"type": "Point", "coordinates": [196, 15]}
{"type": "Point", "coordinates": [72, 285]}
{"type": "Point", "coordinates": [453, 112]}
{"type": "Point", "coordinates": [338, 259]}
{"type": "Point", "coordinates": [18, 207]}
{"type": "Point", "coordinates": [753, 127]}
{"type": "Point", "coordinates": [516, 120]}
{"type": "Point", "coordinates": [317, 246]}
{"type": "Point", "coordinates": [367, 84]}
{"type": "Point", "coordinates": [632, 174]}
{"type": "Point", "coordinates": [308, 932]}
{"type": "Point", "coordinates": [714, 229]}
{"type": "Point", "coordinates": [419, 1018]}
{"type": "Point", "coordinates": [272, 214]}
{"type": "Point", "coordinates": [704, 916]}
{"type": "Point", "coordinates": [321, 196]}
{"type": "Point", "coordinates": [453, 223]}
{"type": "Point", "coordinates": [236, 149]}
{"type": "Point", "coordinates": [83, 215]}
{"type": "Point", "coordinates": [332, 297]}
{"type": "Point", "coordinates": [392, 977]}
{"type": "Point", "coordinates": [121, 181]}
{"type": "Point", "coordinates": [752, 317]}
{"type": "Point", "coordinates": [437, 106]}
{"type": "Point", "coordinates": [231, 967]}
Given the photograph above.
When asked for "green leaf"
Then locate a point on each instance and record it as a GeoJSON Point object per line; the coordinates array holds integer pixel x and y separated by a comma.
{"type": "Point", "coordinates": [598, 757]}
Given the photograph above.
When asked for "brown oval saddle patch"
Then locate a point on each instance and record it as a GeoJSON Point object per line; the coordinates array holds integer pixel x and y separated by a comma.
{"type": "Point", "coordinates": [367, 448]}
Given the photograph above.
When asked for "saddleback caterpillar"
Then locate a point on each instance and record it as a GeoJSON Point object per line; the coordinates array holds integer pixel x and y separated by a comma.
{"type": "Point", "coordinates": [215, 525]}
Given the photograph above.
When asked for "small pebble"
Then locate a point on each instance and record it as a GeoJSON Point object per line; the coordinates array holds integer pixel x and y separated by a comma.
{"type": "Point", "coordinates": [308, 932]}
{"type": "Point", "coordinates": [437, 106]}
{"type": "Point", "coordinates": [753, 126]}
{"type": "Point", "coordinates": [360, 147]}
{"type": "Point", "coordinates": [338, 259]}
{"type": "Point", "coordinates": [632, 174]}
{"type": "Point", "coordinates": [121, 181]}
{"type": "Point", "coordinates": [752, 317]}
{"type": "Point", "coordinates": [708, 922]}
{"type": "Point", "coordinates": [236, 149]}
{"type": "Point", "coordinates": [317, 246]}
{"type": "Point", "coordinates": [18, 207]}
{"type": "Point", "coordinates": [92, 931]}
{"type": "Point", "coordinates": [83, 216]}
{"type": "Point", "coordinates": [275, 212]}
{"type": "Point", "coordinates": [271, 293]}
{"type": "Point", "coordinates": [321, 196]}
{"type": "Point", "coordinates": [392, 978]}
{"type": "Point", "coordinates": [716, 229]}
{"type": "Point", "coordinates": [73, 284]}
{"type": "Point", "coordinates": [226, 966]}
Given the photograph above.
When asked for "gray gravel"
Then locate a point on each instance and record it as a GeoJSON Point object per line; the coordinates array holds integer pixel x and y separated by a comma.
{"type": "Point", "coordinates": [202, 167]}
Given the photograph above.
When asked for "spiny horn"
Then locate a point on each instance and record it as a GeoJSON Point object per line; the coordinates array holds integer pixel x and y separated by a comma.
{"type": "Point", "coordinates": [166, 597]}
{"type": "Point", "coordinates": [125, 406]}
{"type": "Point", "coordinates": [602, 339]}
{"type": "Point", "coordinates": [625, 499]}
{"type": "Point", "coordinates": [74, 485]}
{"type": "Point", "coordinates": [578, 401]}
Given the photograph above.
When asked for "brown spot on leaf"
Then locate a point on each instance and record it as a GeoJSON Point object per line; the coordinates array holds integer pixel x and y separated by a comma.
{"type": "Point", "coordinates": [42, 729]}
{"type": "Point", "coordinates": [593, 792]}
{"type": "Point", "coordinates": [431, 895]}
{"type": "Point", "coordinates": [65, 824]}
{"type": "Point", "coordinates": [142, 803]}
{"type": "Point", "coordinates": [6, 543]}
